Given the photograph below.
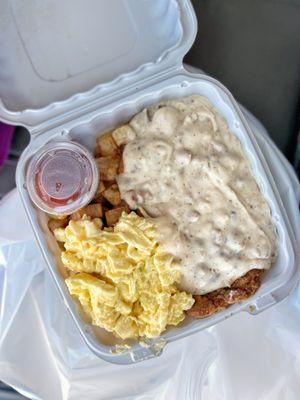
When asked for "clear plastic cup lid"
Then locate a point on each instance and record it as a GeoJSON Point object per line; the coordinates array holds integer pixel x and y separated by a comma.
{"type": "Point", "coordinates": [62, 177]}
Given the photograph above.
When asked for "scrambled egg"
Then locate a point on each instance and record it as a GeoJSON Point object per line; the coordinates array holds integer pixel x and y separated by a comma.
{"type": "Point", "coordinates": [124, 279]}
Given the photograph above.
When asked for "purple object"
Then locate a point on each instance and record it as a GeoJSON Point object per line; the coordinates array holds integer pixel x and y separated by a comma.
{"type": "Point", "coordinates": [6, 134]}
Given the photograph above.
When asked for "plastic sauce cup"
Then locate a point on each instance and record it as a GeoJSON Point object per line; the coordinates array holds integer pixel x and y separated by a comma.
{"type": "Point", "coordinates": [62, 177]}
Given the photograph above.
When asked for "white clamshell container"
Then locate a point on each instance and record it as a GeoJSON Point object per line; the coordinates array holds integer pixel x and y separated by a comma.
{"type": "Point", "coordinates": [72, 70]}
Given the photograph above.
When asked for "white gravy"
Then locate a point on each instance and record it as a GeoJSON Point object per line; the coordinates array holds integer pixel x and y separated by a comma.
{"type": "Point", "coordinates": [190, 173]}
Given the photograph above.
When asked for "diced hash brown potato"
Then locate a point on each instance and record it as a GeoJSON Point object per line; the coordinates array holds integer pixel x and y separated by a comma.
{"type": "Point", "coordinates": [123, 135]}
{"type": "Point", "coordinates": [106, 146]}
{"type": "Point", "coordinates": [76, 215]}
{"type": "Point", "coordinates": [108, 167]}
{"type": "Point", "coordinates": [124, 204]}
{"type": "Point", "coordinates": [100, 190]}
{"type": "Point", "coordinates": [112, 194]}
{"type": "Point", "coordinates": [57, 223]}
{"type": "Point", "coordinates": [92, 210]}
{"type": "Point", "coordinates": [241, 289]}
{"type": "Point", "coordinates": [113, 216]}
{"type": "Point", "coordinates": [57, 217]}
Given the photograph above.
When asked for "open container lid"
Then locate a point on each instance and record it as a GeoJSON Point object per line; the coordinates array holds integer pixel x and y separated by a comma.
{"type": "Point", "coordinates": [57, 55]}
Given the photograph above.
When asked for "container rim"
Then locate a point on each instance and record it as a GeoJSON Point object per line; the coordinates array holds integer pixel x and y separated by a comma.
{"type": "Point", "coordinates": [182, 79]}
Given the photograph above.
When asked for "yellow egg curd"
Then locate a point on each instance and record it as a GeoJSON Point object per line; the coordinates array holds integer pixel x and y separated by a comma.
{"type": "Point", "coordinates": [123, 279]}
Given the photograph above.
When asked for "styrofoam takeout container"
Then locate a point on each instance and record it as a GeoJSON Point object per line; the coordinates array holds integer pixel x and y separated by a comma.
{"type": "Point", "coordinates": [76, 69]}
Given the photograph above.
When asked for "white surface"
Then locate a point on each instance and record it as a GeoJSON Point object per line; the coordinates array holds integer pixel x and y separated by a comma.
{"type": "Point", "coordinates": [43, 356]}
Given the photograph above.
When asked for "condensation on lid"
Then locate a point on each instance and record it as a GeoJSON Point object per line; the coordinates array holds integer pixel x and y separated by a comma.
{"type": "Point", "coordinates": [53, 50]}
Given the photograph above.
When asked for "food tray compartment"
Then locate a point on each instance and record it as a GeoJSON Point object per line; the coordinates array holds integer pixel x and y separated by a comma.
{"type": "Point", "coordinates": [277, 282]}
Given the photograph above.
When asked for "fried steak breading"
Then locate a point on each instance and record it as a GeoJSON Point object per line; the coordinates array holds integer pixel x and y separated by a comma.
{"type": "Point", "coordinates": [241, 289]}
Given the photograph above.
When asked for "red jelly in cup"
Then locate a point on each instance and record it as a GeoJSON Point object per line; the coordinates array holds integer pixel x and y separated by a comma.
{"type": "Point", "coordinates": [62, 177]}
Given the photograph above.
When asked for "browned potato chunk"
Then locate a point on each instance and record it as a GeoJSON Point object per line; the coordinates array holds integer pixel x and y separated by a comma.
{"type": "Point", "coordinates": [112, 194]}
{"type": "Point", "coordinates": [113, 216]}
{"type": "Point", "coordinates": [124, 204]}
{"type": "Point", "coordinates": [57, 223]}
{"type": "Point", "coordinates": [108, 167]}
{"type": "Point", "coordinates": [123, 135]}
{"type": "Point", "coordinates": [51, 216]}
{"type": "Point", "coordinates": [92, 210]}
{"type": "Point", "coordinates": [99, 191]}
{"type": "Point", "coordinates": [77, 215]}
{"type": "Point", "coordinates": [106, 146]}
